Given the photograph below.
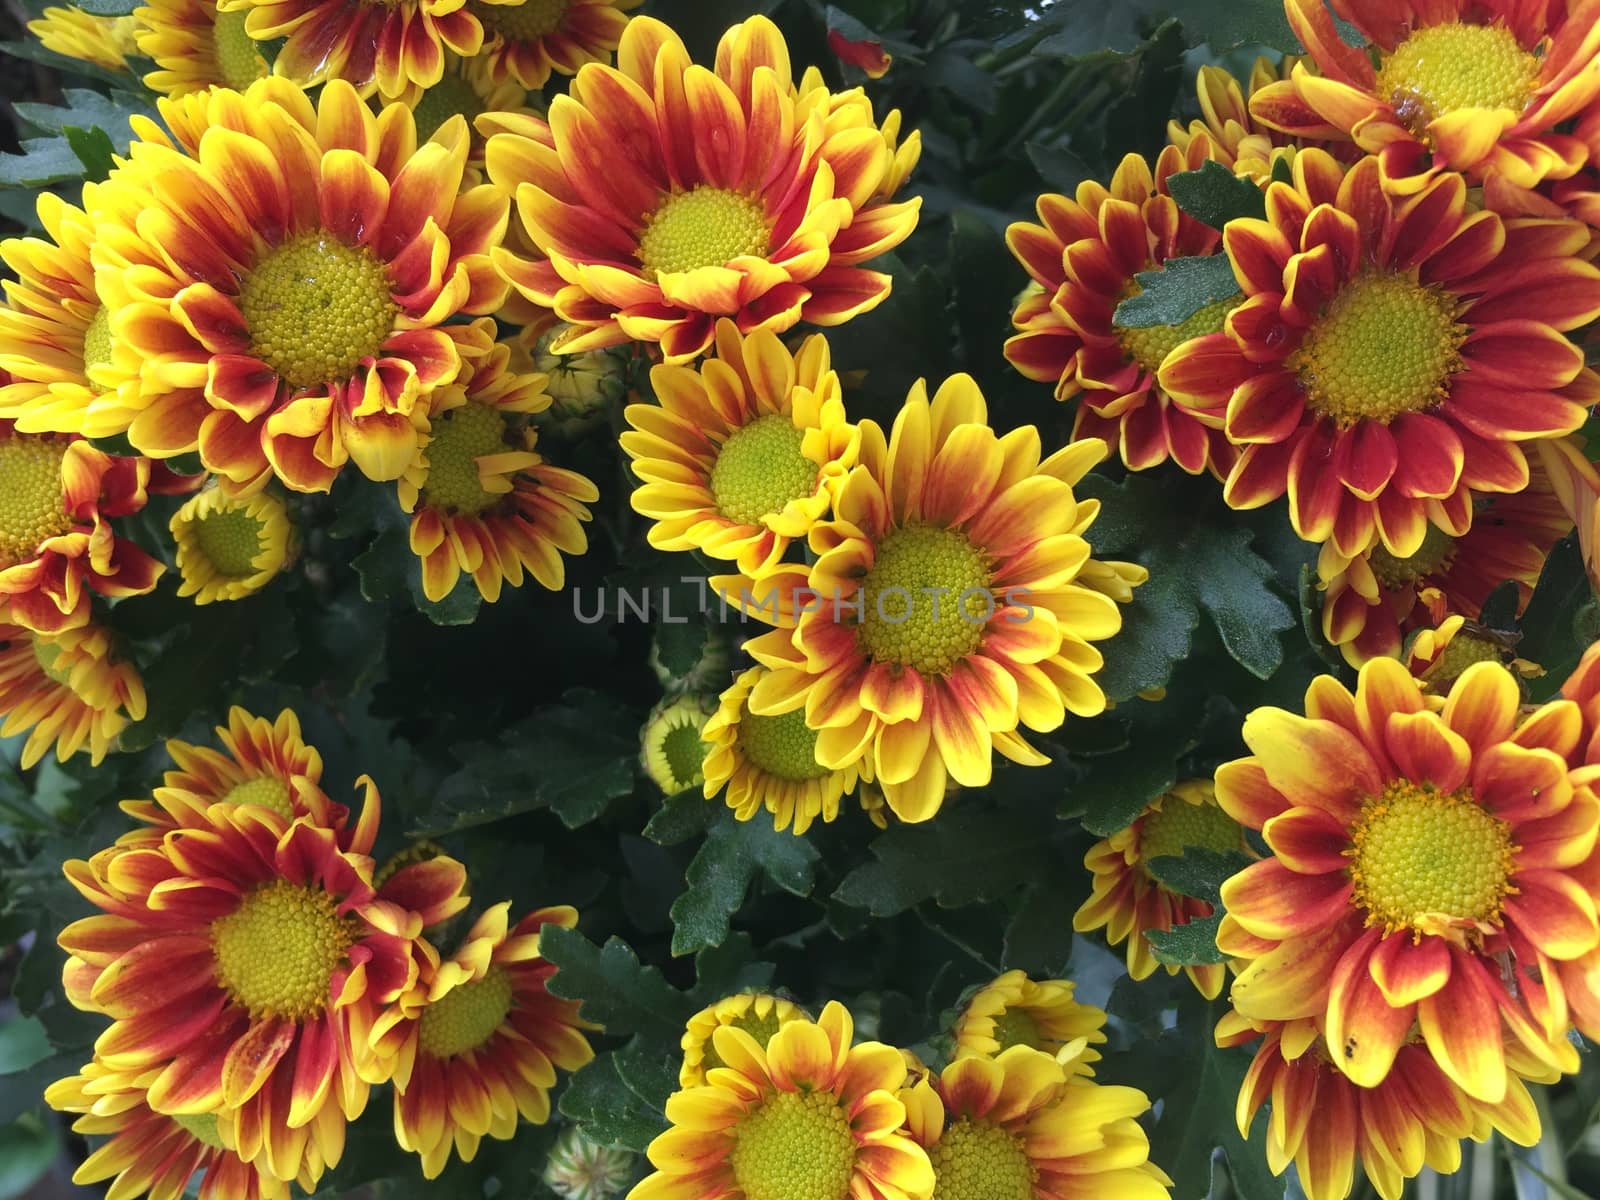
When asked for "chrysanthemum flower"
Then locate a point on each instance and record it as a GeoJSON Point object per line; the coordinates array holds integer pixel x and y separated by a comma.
{"type": "Point", "coordinates": [230, 547]}
{"type": "Point", "coordinates": [1128, 901]}
{"type": "Point", "coordinates": [194, 47]}
{"type": "Point", "coordinates": [1227, 131]}
{"type": "Point", "coordinates": [56, 541]}
{"type": "Point", "coordinates": [482, 500]}
{"type": "Point", "coordinates": [808, 1114]}
{"type": "Point", "coordinates": [769, 763]}
{"type": "Point", "coordinates": [1438, 654]}
{"type": "Point", "coordinates": [243, 963]}
{"type": "Point", "coordinates": [525, 41]}
{"type": "Point", "coordinates": [949, 610]}
{"type": "Point", "coordinates": [1477, 87]}
{"type": "Point", "coordinates": [670, 748]}
{"type": "Point", "coordinates": [1016, 1126]}
{"type": "Point", "coordinates": [734, 198]}
{"type": "Point", "coordinates": [1084, 257]}
{"type": "Point", "coordinates": [476, 1041]}
{"type": "Point", "coordinates": [1422, 876]}
{"type": "Point", "coordinates": [742, 455]}
{"type": "Point", "coordinates": [1580, 978]}
{"type": "Point", "coordinates": [104, 41]}
{"type": "Point", "coordinates": [1326, 1125]}
{"type": "Point", "coordinates": [583, 387]}
{"type": "Point", "coordinates": [147, 1152]}
{"type": "Point", "coordinates": [466, 90]}
{"type": "Point", "coordinates": [580, 1168]}
{"type": "Point", "coordinates": [757, 1013]}
{"type": "Point", "coordinates": [68, 690]}
{"type": "Point", "coordinates": [1041, 1014]}
{"type": "Point", "coordinates": [1390, 354]}
{"type": "Point", "coordinates": [1375, 599]}
{"type": "Point", "coordinates": [287, 286]}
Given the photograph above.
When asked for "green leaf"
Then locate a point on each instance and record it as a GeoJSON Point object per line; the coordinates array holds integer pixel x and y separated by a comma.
{"type": "Point", "coordinates": [459, 607]}
{"type": "Point", "coordinates": [1198, 872]}
{"type": "Point", "coordinates": [1225, 24]}
{"type": "Point", "coordinates": [107, 8]}
{"type": "Point", "coordinates": [22, 1043]}
{"type": "Point", "coordinates": [1194, 944]}
{"type": "Point", "coordinates": [43, 160]}
{"type": "Point", "coordinates": [1058, 166]}
{"type": "Point", "coordinates": [87, 109]}
{"type": "Point", "coordinates": [1115, 787]}
{"type": "Point", "coordinates": [682, 816]}
{"type": "Point", "coordinates": [27, 1148]}
{"type": "Point", "coordinates": [1173, 293]}
{"type": "Point", "coordinates": [1215, 195]}
{"type": "Point", "coordinates": [1039, 934]}
{"type": "Point", "coordinates": [1090, 27]}
{"type": "Point", "coordinates": [611, 1110]}
{"type": "Point", "coordinates": [733, 853]}
{"type": "Point", "coordinates": [617, 992]}
{"type": "Point", "coordinates": [94, 150]}
{"type": "Point", "coordinates": [728, 968]}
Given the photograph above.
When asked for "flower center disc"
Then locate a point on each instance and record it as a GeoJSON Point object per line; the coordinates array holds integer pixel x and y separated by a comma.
{"type": "Point", "coordinates": [97, 340]}
{"type": "Point", "coordinates": [760, 469]}
{"type": "Point", "coordinates": [461, 436]}
{"type": "Point", "coordinates": [1463, 651]}
{"type": "Point", "coordinates": [451, 96]}
{"type": "Point", "coordinates": [1016, 1027]}
{"type": "Point", "coordinates": [1416, 853]}
{"type": "Point", "coordinates": [685, 754]}
{"type": "Point", "coordinates": [32, 507]}
{"type": "Point", "coordinates": [760, 1028]}
{"type": "Point", "coordinates": [316, 308]}
{"type": "Point", "coordinates": [1443, 68]}
{"type": "Point", "coordinates": [523, 22]}
{"type": "Point", "coordinates": [1435, 553]}
{"type": "Point", "coordinates": [1386, 345]}
{"type": "Point", "coordinates": [201, 1126]}
{"type": "Point", "coordinates": [47, 655]}
{"type": "Point", "coordinates": [238, 60]}
{"type": "Point", "coordinates": [1150, 346]}
{"type": "Point", "coordinates": [277, 952]}
{"type": "Point", "coordinates": [975, 1160]}
{"type": "Point", "coordinates": [782, 746]}
{"type": "Point", "coordinates": [926, 599]}
{"type": "Point", "coordinates": [796, 1146]}
{"type": "Point", "coordinates": [268, 791]}
{"type": "Point", "coordinates": [465, 1017]}
{"type": "Point", "coordinates": [705, 227]}
{"type": "Point", "coordinates": [230, 539]}
{"type": "Point", "coordinates": [1179, 825]}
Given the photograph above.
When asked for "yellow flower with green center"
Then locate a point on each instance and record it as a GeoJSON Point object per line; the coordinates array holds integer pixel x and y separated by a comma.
{"type": "Point", "coordinates": [277, 952]}
{"type": "Point", "coordinates": [1149, 346]}
{"type": "Point", "coordinates": [782, 746]}
{"type": "Point", "coordinates": [452, 96]}
{"type": "Point", "coordinates": [68, 691]}
{"type": "Point", "coordinates": [459, 438]}
{"type": "Point", "coordinates": [195, 47]}
{"type": "Point", "coordinates": [1439, 655]}
{"type": "Point", "coordinates": [926, 599]}
{"type": "Point", "coordinates": [525, 43]}
{"type": "Point", "coordinates": [266, 791]}
{"type": "Point", "coordinates": [97, 339]}
{"type": "Point", "coordinates": [1435, 554]}
{"type": "Point", "coordinates": [1440, 69]}
{"type": "Point", "coordinates": [525, 21]}
{"type": "Point", "coordinates": [230, 548]}
{"type": "Point", "coordinates": [794, 1144]}
{"type": "Point", "coordinates": [239, 60]}
{"type": "Point", "coordinates": [704, 227]}
{"type": "Point", "coordinates": [465, 1017]}
{"type": "Point", "coordinates": [1041, 1014]}
{"type": "Point", "coordinates": [671, 751]}
{"type": "Point", "coordinates": [754, 1013]}
{"type": "Point", "coordinates": [760, 469]}
{"type": "Point", "coordinates": [1016, 1027]}
{"type": "Point", "coordinates": [32, 506]}
{"type": "Point", "coordinates": [104, 41]}
{"type": "Point", "coordinates": [977, 1160]}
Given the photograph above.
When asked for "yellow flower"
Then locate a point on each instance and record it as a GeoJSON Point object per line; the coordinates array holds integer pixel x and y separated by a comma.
{"type": "Point", "coordinates": [68, 691]}
{"type": "Point", "coordinates": [104, 41]}
{"type": "Point", "coordinates": [1042, 1014]}
{"type": "Point", "coordinates": [757, 1013]}
{"type": "Point", "coordinates": [230, 548]}
{"type": "Point", "coordinates": [671, 751]}
{"type": "Point", "coordinates": [196, 47]}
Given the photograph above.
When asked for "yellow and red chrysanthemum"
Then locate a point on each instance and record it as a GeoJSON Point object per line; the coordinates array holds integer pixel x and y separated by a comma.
{"type": "Point", "coordinates": [1226, 129]}
{"type": "Point", "coordinates": [1042, 1014]}
{"type": "Point", "coordinates": [769, 763]}
{"type": "Point", "coordinates": [951, 603]}
{"type": "Point", "coordinates": [1479, 87]}
{"type": "Point", "coordinates": [1326, 1125]}
{"type": "Point", "coordinates": [757, 1013]}
{"type": "Point", "coordinates": [287, 285]}
{"type": "Point", "coordinates": [1128, 901]}
{"type": "Point", "coordinates": [808, 1114]}
{"type": "Point", "coordinates": [104, 41]}
{"type": "Point", "coordinates": [1375, 599]}
{"type": "Point", "coordinates": [677, 194]}
{"type": "Point", "coordinates": [1438, 654]}
{"type": "Point", "coordinates": [57, 545]}
{"type": "Point", "coordinates": [194, 47]}
{"type": "Point", "coordinates": [1018, 1126]}
{"type": "Point", "coordinates": [1423, 872]}
{"type": "Point", "coordinates": [1084, 257]}
{"type": "Point", "coordinates": [482, 500]}
{"type": "Point", "coordinates": [243, 962]}
{"type": "Point", "coordinates": [1580, 978]}
{"type": "Point", "coordinates": [68, 690]}
{"type": "Point", "coordinates": [1390, 354]}
{"type": "Point", "coordinates": [150, 1153]}
{"type": "Point", "coordinates": [474, 1044]}
{"type": "Point", "coordinates": [525, 41]}
{"type": "Point", "coordinates": [740, 457]}
{"type": "Point", "coordinates": [230, 547]}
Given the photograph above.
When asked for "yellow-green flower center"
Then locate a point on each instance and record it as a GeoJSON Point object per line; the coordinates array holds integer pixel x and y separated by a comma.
{"type": "Point", "coordinates": [230, 538]}
{"type": "Point", "coordinates": [238, 60]}
{"type": "Point", "coordinates": [705, 227]}
{"type": "Point", "coordinates": [685, 754]}
{"type": "Point", "coordinates": [1386, 345]}
{"type": "Point", "coordinates": [451, 96]}
{"type": "Point", "coordinates": [467, 1016]}
{"type": "Point", "coordinates": [977, 1160]}
{"type": "Point", "coordinates": [782, 746]}
{"type": "Point", "coordinates": [461, 436]}
{"type": "Point", "coordinates": [1179, 825]}
{"type": "Point", "coordinates": [1435, 554]}
{"type": "Point", "coordinates": [1443, 68]}
{"type": "Point", "coordinates": [201, 1126]}
{"type": "Point", "coordinates": [1016, 1027]}
{"type": "Point", "coordinates": [1462, 651]}
{"type": "Point", "coordinates": [759, 1028]}
{"type": "Point", "coordinates": [1417, 854]}
{"type": "Point", "coordinates": [1150, 346]}
{"type": "Point", "coordinates": [796, 1146]}
{"type": "Point", "coordinates": [277, 952]}
{"type": "Point", "coordinates": [268, 791]}
{"type": "Point", "coordinates": [522, 22]}
{"type": "Point", "coordinates": [926, 599]}
{"type": "Point", "coordinates": [316, 308]}
{"type": "Point", "coordinates": [32, 507]}
{"type": "Point", "coordinates": [760, 469]}
{"type": "Point", "coordinates": [48, 655]}
{"type": "Point", "coordinates": [97, 340]}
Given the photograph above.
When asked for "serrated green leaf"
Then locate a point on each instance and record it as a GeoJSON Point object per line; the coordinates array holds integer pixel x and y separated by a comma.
{"type": "Point", "coordinates": [617, 991]}
{"type": "Point", "coordinates": [729, 968]}
{"type": "Point", "coordinates": [459, 607]}
{"type": "Point", "coordinates": [1191, 945]}
{"type": "Point", "coordinates": [94, 150]}
{"type": "Point", "coordinates": [733, 853]}
{"type": "Point", "coordinates": [1225, 24]}
{"type": "Point", "coordinates": [1176, 291]}
{"type": "Point", "coordinates": [1088, 27]}
{"type": "Point", "coordinates": [87, 109]}
{"type": "Point", "coordinates": [682, 816]}
{"type": "Point", "coordinates": [1114, 788]}
{"type": "Point", "coordinates": [1214, 195]}
{"type": "Point", "coordinates": [107, 8]}
{"type": "Point", "coordinates": [43, 160]}
{"type": "Point", "coordinates": [610, 1112]}
{"type": "Point", "coordinates": [1198, 872]}
{"type": "Point", "coordinates": [678, 646]}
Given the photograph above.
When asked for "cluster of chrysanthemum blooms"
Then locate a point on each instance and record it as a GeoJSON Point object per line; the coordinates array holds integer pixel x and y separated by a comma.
{"type": "Point", "coordinates": [777, 1106]}
{"type": "Point", "coordinates": [262, 975]}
